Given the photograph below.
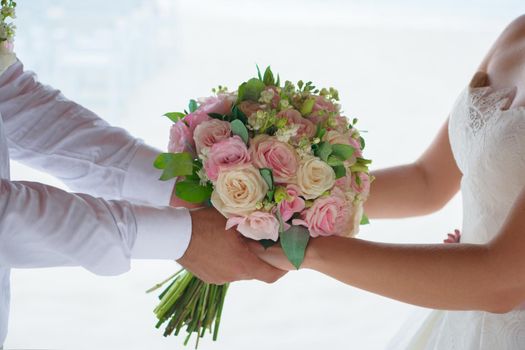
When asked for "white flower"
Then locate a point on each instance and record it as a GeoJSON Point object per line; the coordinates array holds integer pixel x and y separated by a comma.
{"type": "Point", "coordinates": [238, 191]}
{"type": "Point", "coordinates": [315, 177]}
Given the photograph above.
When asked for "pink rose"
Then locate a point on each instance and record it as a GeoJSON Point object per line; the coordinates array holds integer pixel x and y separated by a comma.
{"type": "Point", "coordinates": [306, 127]}
{"type": "Point", "coordinates": [195, 119]}
{"type": "Point", "coordinates": [349, 183]}
{"type": "Point", "coordinates": [220, 104]}
{"type": "Point", "coordinates": [180, 139]}
{"type": "Point", "coordinates": [363, 188]}
{"type": "Point", "coordinates": [258, 225]}
{"type": "Point", "coordinates": [291, 205]}
{"type": "Point", "coordinates": [226, 154]}
{"type": "Point", "coordinates": [331, 215]}
{"type": "Point", "coordinates": [210, 132]}
{"type": "Point", "coordinates": [249, 107]}
{"type": "Point", "coordinates": [268, 152]}
{"type": "Point", "coordinates": [321, 109]}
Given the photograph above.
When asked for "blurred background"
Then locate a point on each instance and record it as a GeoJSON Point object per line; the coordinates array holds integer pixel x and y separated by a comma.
{"type": "Point", "coordinates": [398, 65]}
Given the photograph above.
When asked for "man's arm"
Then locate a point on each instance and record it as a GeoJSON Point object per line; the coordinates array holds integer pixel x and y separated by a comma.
{"type": "Point", "coordinates": [53, 134]}
{"type": "Point", "coordinates": [44, 226]}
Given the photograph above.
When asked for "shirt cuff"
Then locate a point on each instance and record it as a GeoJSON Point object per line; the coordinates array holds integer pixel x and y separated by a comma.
{"type": "Point", "coordinates": [162, 232]}
{"type": "Point", "coordinates": [142, 179]}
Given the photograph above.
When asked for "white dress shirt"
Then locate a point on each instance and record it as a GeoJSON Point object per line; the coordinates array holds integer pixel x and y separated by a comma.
{"type": "Point", "coordinates": [42, 226]}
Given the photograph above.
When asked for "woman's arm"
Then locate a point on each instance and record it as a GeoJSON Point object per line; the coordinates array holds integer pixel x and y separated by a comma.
{"type": "Point", "coordinates": [420, 188]}
{"type": "Point", "coordinates": [488, 277]}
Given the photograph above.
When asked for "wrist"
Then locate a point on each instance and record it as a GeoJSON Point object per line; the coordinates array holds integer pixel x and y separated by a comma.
{"type": "Point", "coordinates": [313, 252]}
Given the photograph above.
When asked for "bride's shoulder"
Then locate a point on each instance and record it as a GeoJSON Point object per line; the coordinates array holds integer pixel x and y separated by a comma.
{"type": "Point", "coordinates": [515, 31]}
{"type": "Point", "coordinates": [513, 34]}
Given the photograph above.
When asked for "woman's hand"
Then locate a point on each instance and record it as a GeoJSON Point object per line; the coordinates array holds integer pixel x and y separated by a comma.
{"type": "Point", "coordinates": [273, 255]}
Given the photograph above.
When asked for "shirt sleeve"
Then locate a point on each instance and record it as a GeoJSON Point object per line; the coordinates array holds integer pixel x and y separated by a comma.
{"type": "Point", "coordinates": [48, 132]}
{"type": "Point", "coordinates": [42, 226]}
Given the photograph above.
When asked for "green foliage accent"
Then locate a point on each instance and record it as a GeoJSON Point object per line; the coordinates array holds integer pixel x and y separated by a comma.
{"type": "Point", "coordinates": [267, 176]}
{"type": "Point", "coordinates": [238, 128]}
{"type": "Point", "coordinates": [259, 72]}
{"type": "Point", "coordinates": [192, 106]}
{"type": "Point", "coordinates": [174, 164]}
{"type": "Point", "coordinates": [192, 191]}
{"type": "Point", "coordinates": [250, 90]}
{"type": "Point", "coordinates": [324, 151]}
{"type": "Point", "coordinates": [267, 243]}
{"type": "Point", "coordinates": [238, 114]}
{"type": "Point", "coordinates": [294, 242]}
{"type": "Point", "coordinates": [340, 171]}
{"type": "Point", "coordinates": [268, 78]}
{"type": "Point", "coordinates": [307, 106]}
{"type": "Point", "coordinates": [174, 116]}
{"type": "Point", "coordinates": [342, 151]}
{"type": "Point", "coordinates": [362, 142]}
{"type": "Point", "coordinates": [364, 220]}
{"type": "Point", "coordinates": [334, 161]}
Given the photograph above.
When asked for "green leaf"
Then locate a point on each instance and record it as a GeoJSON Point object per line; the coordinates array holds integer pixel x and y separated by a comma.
{"type": "Point", "coordinates": [334, 161]}
{"type": "Point", "coordinates": [192, 191]}
{"type": "Point", "coordinates": [294, 242]}
{"type": "Point", "coordinates": [193, 106]}
{"type": "Point", "coordinates": [174, 116]}
{"type": "Point", "coordinates": [307, 107]}
{"type": "Point", "coordinates": [362, 142]}
{"type": "Point", "coordinates": [325, 149]}
{"type": "Point", "coordinates": [340, 171]}
{"type": "Point", "coordinates": [174, 164]}
{"type": "Point", "coordinates": [364, 220]}
{"type": "Point", "coordinates": [238, 114]}
{"type": "Point", "coordinates": [259, 72]}
{"type": "Point", "coordinates": [267, 243]}
{"type": "Point", "coordinates": [238, 128]}
{"type": "Point", "coordinates": [250, 90]}
{"type": "Point", "coordinates": [278, 82]}
{"type": "Point", "coordinates": [267, 175]}
{"type": "Point", "coordinates": [342, 152]}
{"type": "Point", "coordinates": [268, 78]}
{"type": "Point", "coordinates": [364, 161]}
{"type": "Point", "coordinates": [216, 116]}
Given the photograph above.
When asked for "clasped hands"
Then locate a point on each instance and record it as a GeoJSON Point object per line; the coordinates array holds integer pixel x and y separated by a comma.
{"type": "Point", "coordinates": [219, 256]}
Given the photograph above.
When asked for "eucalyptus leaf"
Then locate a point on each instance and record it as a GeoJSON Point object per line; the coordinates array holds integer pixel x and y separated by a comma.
{"type": "Point", "coordinates": [325, 149]}
{"type": "Point", "coordinates": [294, 242]}
{"type": "Point", "coordinates": [174, 116]}
{"type": "Point", "coordinates": [342, 151]}
{"type": "Point", "coordinates": [192, 106]}
{"type": "Point", "coordinates": [340, 171]}
{"type": "Point", "coordinates": [192, 191]}
{"type": "Point", "coordinates": [267, 175]}
{"type": "Point", "coordinates": [334, 161]}
{"type": "Point", "coordinates": [174, 164]}
{"type": "Point", "coordinates": [238, 128]}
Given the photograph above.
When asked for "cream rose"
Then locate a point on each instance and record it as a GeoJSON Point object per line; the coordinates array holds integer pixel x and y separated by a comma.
{"type": "Point", "coordinates": [238, 190]}
{"type": "Point", "coordinates": [315, 177]}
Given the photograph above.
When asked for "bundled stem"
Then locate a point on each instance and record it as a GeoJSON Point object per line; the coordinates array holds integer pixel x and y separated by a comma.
{"type": "Point", "coordinates": [191, 303]}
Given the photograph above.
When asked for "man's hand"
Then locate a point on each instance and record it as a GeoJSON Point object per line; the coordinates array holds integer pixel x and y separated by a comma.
{"type": "Point", "coordinates": [219, 256]}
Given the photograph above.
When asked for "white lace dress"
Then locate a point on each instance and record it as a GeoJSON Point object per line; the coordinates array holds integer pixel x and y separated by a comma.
{"type": "Point", "coordinates": [488, 142]}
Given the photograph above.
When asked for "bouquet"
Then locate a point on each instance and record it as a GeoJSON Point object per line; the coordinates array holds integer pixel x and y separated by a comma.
{"type": "Point", "coordinates": [279, 161]}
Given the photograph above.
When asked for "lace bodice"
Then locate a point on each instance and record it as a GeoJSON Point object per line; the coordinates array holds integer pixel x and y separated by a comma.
{"type": "Point", "coordinates": [488, 142]}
